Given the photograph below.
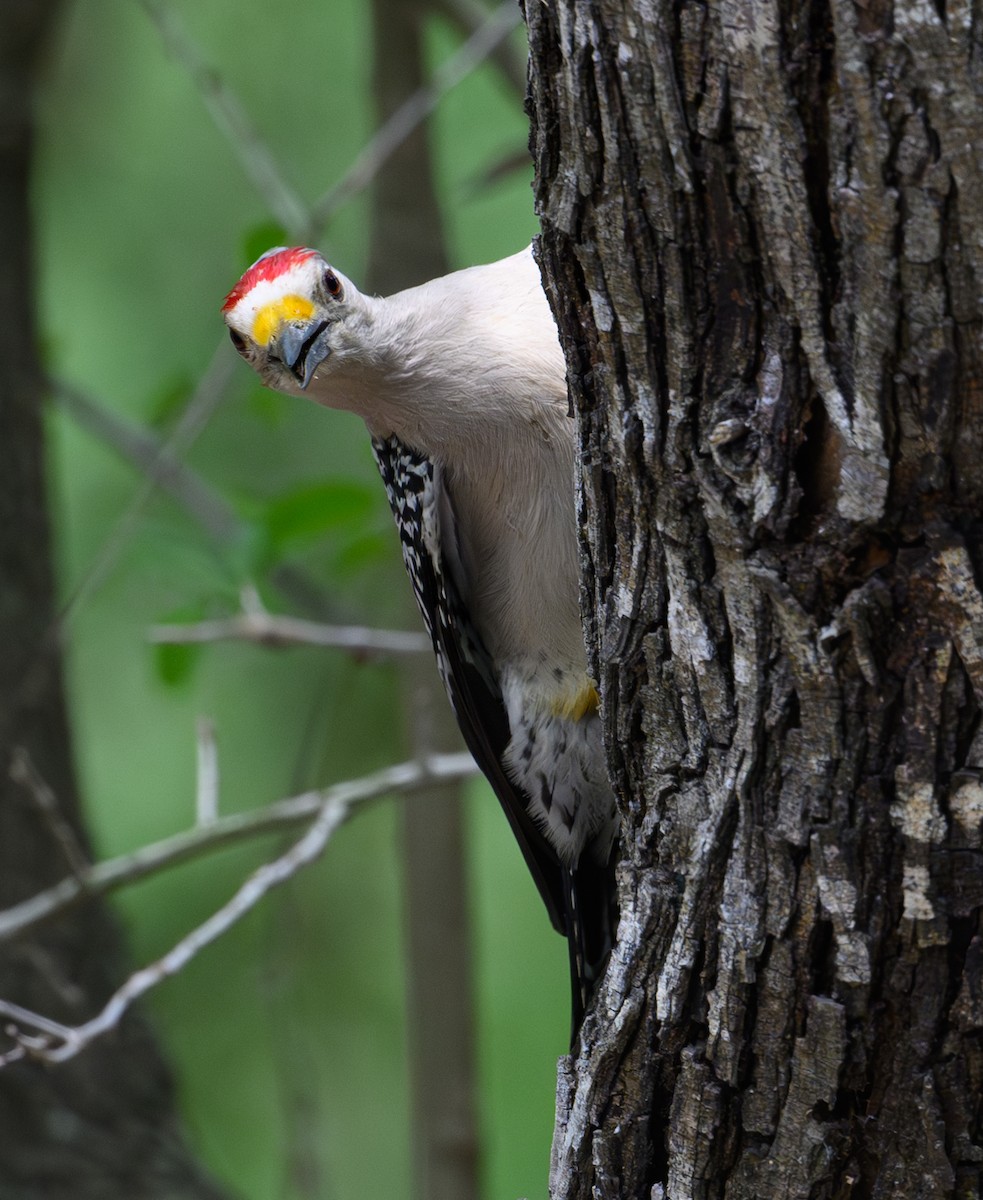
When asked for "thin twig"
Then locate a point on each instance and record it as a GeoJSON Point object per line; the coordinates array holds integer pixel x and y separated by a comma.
{"type": "Point", "coordinates": [257, 160]}
{"type": "Point", "coordinates": [144, 450]}
{"type": "Point", "coordinates": [208, 395]}
{"type": "Point", "coordinates": [394, 131]}
{"type": "Point", "coordinates": [104, 877]}
{"type": "Point", "coordinates": [206, 789]}
{"type": "Point", "coordinates": [468, 15]}
{"type": "Point", "coordinates": [263, 880]}
{"type": "Point", "coordinates": [58, 1043]}
{"type": "Point", "coordinates": [294, 216]}
{"type": "Point", "coordinates": [24, 1016]}
{"type": "Point", "coordinates": [269, 630]}
{"type": "Point", "coordinates": [25, 1044]}
{"type": "Point", "coordinates": [23, 771]}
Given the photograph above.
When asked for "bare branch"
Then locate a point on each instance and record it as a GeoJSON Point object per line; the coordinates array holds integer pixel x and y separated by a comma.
{"type": "Point", "coordinates": [144, 450]}
{"type": "Point", "coordinates": [269, 630]}
{"type": "Point", "coordinates": [37, 1037]}
{"type": "Point", "coordinates": [258, 161]}
{"type": "Point", "coordinates": [100, 878]}
{"type": "Point", "coordinates": [393, 132]}
{"type": "Point", "coordinates": [23, 771]}
{"type": "Point", "coordinates": [24, 1016]}
{"type": "Point", "coordinates": [306, 224]}
{"type": "Point", "coordinates": [26, 1044]}
{"type": "Point", "coordinates": [208, 395]}
{"type": "Point", "coordinates": [468, 15]}
{"type": "Point", "coordinates": [65, 1043]}
{"type": "Point", "coordinates": [206, 791]}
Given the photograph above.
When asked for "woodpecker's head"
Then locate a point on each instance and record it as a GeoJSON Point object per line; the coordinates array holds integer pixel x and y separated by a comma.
{"type": "Point", "coordinates": [293, 318]}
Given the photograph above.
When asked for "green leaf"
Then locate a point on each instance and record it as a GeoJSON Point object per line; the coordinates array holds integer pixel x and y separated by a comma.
{"type": "Point", "coordinates": [175, 663]}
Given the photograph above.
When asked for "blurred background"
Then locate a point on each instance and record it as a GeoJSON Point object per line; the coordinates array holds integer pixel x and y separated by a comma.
{"type": "Point", "coordinates": [177, 141]}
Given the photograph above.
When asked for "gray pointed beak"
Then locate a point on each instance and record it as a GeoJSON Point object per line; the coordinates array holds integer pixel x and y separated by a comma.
{"type": "Point", "coordinates": [302, 346]}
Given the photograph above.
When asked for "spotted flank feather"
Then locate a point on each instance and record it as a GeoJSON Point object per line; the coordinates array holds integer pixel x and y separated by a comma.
{"type": "Point", "coordinates": [577, 896]}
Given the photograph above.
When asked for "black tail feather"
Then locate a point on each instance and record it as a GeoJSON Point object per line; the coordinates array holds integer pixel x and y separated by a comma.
{"type": "Point", "coordinates": [591, 916]}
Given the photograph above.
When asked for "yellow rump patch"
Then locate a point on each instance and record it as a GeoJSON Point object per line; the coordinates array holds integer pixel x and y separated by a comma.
{"type": "Point", "coordinates": [579, 704]}
{"type": "Point", "coordinates": [271, 316]}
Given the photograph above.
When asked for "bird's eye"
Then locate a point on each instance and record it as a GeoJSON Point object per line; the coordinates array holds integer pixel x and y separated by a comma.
{"type": "Point", "coordinates": [332, 284]}
{"type": "Point", "coordinates": [237, 340]}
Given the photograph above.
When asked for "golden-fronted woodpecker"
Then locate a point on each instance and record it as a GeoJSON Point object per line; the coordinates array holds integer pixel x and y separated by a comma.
{"type": "Point", "coordinates": [461, 383]}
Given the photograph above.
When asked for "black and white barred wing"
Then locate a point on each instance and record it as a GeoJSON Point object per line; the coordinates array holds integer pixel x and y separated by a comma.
{"type": "Point", "coordinates": [423, 511]}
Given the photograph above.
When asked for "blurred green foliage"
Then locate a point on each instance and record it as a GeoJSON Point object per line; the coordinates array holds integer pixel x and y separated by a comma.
{"type": "Point", "coordinates": [287, 1036]}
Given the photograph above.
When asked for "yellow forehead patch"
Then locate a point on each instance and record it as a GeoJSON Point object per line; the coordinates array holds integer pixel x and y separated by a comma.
{"type": "Point", "coordinates": [576, 705]}
{"type": "Point", "coordinates": [271, 316]}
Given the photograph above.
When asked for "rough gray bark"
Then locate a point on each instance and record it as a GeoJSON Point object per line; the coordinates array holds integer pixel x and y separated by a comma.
{"type": "Point", "coordinates": [101, 1126]}
{"type": "Point", "coordinates": [763, 235]}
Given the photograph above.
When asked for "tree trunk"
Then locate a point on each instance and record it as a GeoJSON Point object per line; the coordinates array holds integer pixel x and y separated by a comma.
{"type": "Point", "coordinates": [763, 237]}
{"type": "Point", "coordinates": [406, 248]}
{"type": "Point", "coordinates": [101, 1126]}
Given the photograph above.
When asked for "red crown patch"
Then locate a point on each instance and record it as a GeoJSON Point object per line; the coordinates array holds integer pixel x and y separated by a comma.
{"type": "Point", "coordinates": [271, 265]}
